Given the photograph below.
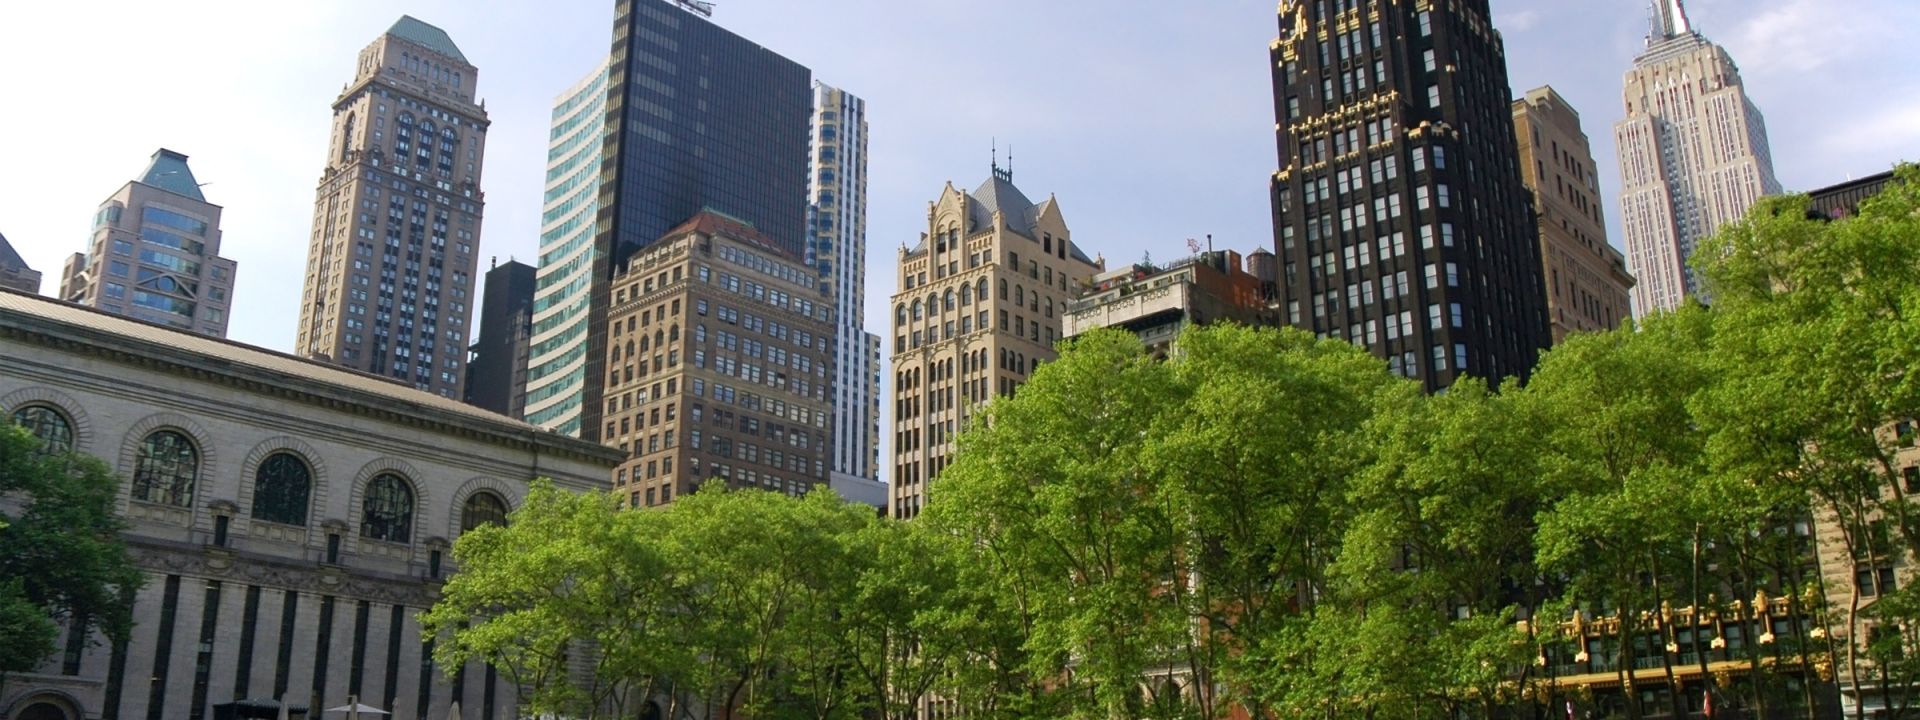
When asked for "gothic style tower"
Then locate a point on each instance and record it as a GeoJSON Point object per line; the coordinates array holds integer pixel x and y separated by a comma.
{"type": "Point", "coordinates": [397, 218]}
{"type": "Point", "coordinates": [1400, 220]}
{"type": "Point", "coordinates": [1693, 155]}
{"type": "Point", "coordinates": [979, 308]}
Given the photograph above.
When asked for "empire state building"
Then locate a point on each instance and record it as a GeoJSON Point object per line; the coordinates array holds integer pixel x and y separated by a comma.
{"type": "Point", "coordinates": [1693, 155]}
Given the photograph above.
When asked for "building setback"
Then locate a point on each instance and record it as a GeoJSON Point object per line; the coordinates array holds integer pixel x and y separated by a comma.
{"type": "Point", "coordinates": [155, 253]}
{"type": "Point", "coordinates": [717, 365]}
{"type": "Point", "coordinates": [562, 296]}
{"type": "Point", "coordinates": [292, 519]}
{"type": "Point", "coordinates": [14, 273]}
{"type": "Point", "coordinates": [497, 374]}
{"type": "Point", "coordinates": [1157, 303]}
{"type": "Point", "coordinates": [1587, 280]}
{"type": "Point", "coordinates": [979, 307]}
{"type": "Point", "coordinates": [838, 249]}
{"type": "Point", "coordinates": [1693, 156]}
{"type": "Point", "coordinates": [1400, 221]}
{"type": "Point", "coordinates": [396, 219]}
{"type": "Point", "coordinates": [698, 118]}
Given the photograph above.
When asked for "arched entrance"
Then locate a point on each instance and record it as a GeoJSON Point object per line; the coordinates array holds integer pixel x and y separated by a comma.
{"type": "Point", "coordinates": [46, 706]}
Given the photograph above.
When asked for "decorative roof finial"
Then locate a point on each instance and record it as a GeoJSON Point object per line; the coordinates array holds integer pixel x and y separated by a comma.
{"type": "Point", "coordinates": [1669, 20]}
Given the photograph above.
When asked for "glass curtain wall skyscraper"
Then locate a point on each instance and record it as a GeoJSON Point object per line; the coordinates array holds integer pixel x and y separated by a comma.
{"type": "Point", "coordinates": [1400, 219]}
{"type": "Point", "coordinates": [838, 250]}
{"type": "Point", "coordinates": [1693, 155]}
{"type": "Point", "coordinates": [562, 299]}
{"type": "Point", "coordinates": [698, 118]}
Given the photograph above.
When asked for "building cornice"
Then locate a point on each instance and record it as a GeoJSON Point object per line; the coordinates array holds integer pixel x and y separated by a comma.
{"type": "Point", "coordinates": [120, 349]}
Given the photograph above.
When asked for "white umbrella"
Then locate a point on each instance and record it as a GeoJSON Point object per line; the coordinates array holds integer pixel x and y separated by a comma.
{"type": "Point", "coordinates": [354, 708]}
{"type": "Point", "coordinates": [453, 711]}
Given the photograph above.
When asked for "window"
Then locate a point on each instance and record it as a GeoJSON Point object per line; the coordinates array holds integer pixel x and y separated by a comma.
{"type": "Point", "coordinates": [387, 512]}
{"type": "Point", "coordinates": [483, 508]}
{"type": "Point", "coordinates": [280, 488]}
{"type": "Point", "coordinates": [46, 423]}
{"type": "Point", "coordinates": [166, 469]}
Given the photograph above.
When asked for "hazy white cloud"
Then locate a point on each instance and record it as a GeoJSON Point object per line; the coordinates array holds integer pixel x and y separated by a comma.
{"type": "Point", "coordinates": [1802, 36]}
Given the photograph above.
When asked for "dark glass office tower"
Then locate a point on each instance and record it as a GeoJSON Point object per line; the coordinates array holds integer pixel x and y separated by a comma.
{"type": "Point", "coordinates": [497, 372]}
{"type": "Point", "coordinates": [1400, 217]}
{"type": "Point", "coordinates": [698, 118]}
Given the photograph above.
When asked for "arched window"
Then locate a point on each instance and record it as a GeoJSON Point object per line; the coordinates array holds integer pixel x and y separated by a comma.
{"type": "Point", "coordinates": [899, 315]}
{"type": "Point", "coordinates": [483, 508]}
{"type": "Point", "coordinates": [980, 291]}
{"type": "Point", "coordinates": [387, 512]}
{"type": "Point", "coordinates": [700, 333]}
{"type": "Point", "coordinates": [53, 429]}
{"type": "Point", "coordinates": [673, 333]}
{"type": "Point", "coordinates": [166, 469]}
{"type": "Point", "coordinates": [406, 118]}
{"type": "Point", "coordinates": [426, 129]}
{"type": "Point", "coordinates": [1019, 295]}
{"type": "Point", "coordinates": [966, 295]}
{"type": "Point", "coordinates": [280, 489]}
{"type": "Point", "coordinates": [1003, 288]}
{"type": "Point", "coordinates": [918, 310]}
{"type": "Point", "coordinates": [1049, 307]}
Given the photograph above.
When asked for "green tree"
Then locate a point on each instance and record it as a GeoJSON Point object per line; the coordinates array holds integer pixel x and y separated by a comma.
{"type": "Point", "coordinates": [1056, 493]}
{"type": "Point", "coordinates": [1623, 455]}
{"type": "Point", "coordinates": [1817, 333]}
{"type": "Point", "coordinates": [1260, 457]}
{"type": "Point", "coordinates": [1437, 564]}
{"type": "Point", "coordinates": [570, 577]}
{"type": "Point", "coordinates": [60, 549]}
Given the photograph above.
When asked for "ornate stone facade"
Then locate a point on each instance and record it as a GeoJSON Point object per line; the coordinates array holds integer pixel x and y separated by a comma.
{"type": "Point", "coordinates": [307, 518]}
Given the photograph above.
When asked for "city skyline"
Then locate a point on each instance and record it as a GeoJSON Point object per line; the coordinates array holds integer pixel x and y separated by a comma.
{"type": "Point", "coordinates": [253, 131]}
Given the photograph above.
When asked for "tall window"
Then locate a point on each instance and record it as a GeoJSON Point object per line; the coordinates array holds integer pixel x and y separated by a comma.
{"type": "Point", "coordinates": [484, 508]}
{"type": "Point", "coordinates": [387, 512]}
{"type": "Point", "coordinates": [280, 489]}
{"type": "Point", "coordinates": [46, 423]}
{"type": "Point", "coordinates": [166, 469]}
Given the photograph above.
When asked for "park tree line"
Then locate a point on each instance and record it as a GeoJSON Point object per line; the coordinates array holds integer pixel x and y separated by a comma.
{"type": "Point", "coordinates": [1273, 523]}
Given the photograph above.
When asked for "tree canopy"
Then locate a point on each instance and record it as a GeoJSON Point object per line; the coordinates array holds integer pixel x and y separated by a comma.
{"type": "Point", "coordinates": [1274, 523]}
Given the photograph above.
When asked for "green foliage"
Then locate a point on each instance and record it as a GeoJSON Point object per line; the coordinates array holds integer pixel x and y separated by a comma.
{"type": "Point", "coordinates": [1273, 524]}
{"type": "Point", "coordinates": [60, 549]}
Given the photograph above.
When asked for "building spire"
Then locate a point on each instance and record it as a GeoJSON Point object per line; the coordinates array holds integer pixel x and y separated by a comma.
{"type": "Point", "coordinates": [1669, 20]}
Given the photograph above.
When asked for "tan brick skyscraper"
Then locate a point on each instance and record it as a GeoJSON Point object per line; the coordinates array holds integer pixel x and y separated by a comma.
{"type": "Point", "coordinates": [390, 266]}
{"type": "Point", "coordinates": [979, 308]}
{"type": "Point", "coordinates": [1587, 280]}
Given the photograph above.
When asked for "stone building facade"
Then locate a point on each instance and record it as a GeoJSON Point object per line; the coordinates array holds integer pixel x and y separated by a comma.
{"type": "Point", "coordinates": [1157, 303]}
{"type": "Point", "coordinates": [292, 518]}
{"type": "Point", "coordinates": [979, 307]}
{"type": "Point", "coordinates": [1587, 280]}
{"type": "Point", "coordinates": [719, 350]}
{"type": "Point", "coordinates": [396, 219]}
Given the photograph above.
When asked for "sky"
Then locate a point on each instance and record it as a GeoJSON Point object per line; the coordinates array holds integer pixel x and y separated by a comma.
{"type": "Point", "coordinates": [1150, 121]}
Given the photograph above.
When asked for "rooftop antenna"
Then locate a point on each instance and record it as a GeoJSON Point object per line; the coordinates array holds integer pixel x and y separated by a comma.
{"type": "Point", "coordinates": [1009, 162]}
{"type": "Point", "coordinates": [700, 7]}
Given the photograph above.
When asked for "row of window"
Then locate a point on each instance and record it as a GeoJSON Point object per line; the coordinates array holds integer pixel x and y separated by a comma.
{"type": "Point", "coordinates": [167, 469]}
